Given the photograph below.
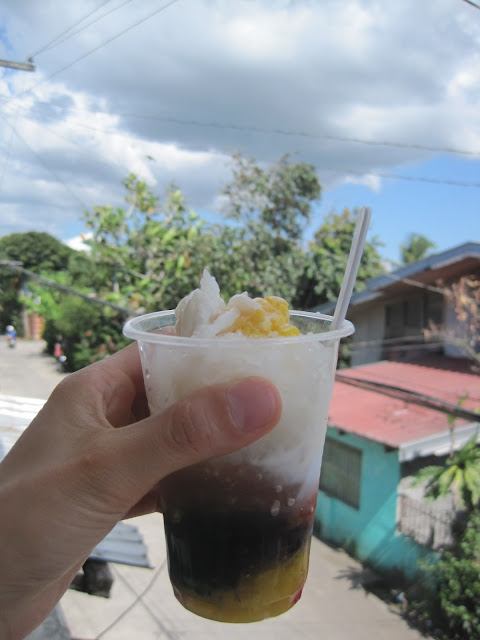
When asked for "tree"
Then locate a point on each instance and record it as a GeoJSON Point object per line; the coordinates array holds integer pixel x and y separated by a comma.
{"type": "Point", "coordinates": [455, 596]}
{"type": "Point", "coordinates": [464, 298]}
{"type": "Point", "coordinates": [326, 260]}
{"type": "Point", "coordinates": [460, 475]}
{"type": "Point", "coordinates": [279, 197]}
{"type": "Point", "coordinates": [416, 247]}
{"type": "Point", "coordinates": [149, 252]}
{"type": "Point", "coordinates": [38, 252]}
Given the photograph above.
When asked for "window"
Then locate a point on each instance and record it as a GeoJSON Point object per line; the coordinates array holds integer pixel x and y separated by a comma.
{"type": "Point", "coordinates": [341, 472]}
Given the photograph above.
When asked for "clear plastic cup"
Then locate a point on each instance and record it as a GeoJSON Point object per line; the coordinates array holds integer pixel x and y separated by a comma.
{"type": "Point", "coordinates": [238, 527]}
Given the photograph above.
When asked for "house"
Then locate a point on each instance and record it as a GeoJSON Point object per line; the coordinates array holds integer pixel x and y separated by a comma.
{"type": "Point", "coordinates": [392, 312]}
{"type": "Point", "coordinates": [389, 415]}
{"type": "Point", "coordinates": [386, 420]}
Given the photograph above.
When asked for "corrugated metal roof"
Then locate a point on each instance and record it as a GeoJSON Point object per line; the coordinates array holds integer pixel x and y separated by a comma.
{"type": "Point", "coordinates": [397, 422]}
{"type": "Point", "coordinates": [374, 288]}
{"type": "Point", "coordinates": [16, 413]}
{"type": "Point", "coordinates": [124, 544]}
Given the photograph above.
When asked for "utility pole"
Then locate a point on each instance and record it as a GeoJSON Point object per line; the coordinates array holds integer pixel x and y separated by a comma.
{"type": "Point", "coordinates": [20, 66]}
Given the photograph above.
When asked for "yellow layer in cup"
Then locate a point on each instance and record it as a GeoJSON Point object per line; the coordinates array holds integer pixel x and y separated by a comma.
{"type": "Point", "coordinates": [257, 597]}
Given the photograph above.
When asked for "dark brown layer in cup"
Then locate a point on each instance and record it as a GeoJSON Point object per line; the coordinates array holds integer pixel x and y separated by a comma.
{"type": "Point", "coordinates": [225, 524]}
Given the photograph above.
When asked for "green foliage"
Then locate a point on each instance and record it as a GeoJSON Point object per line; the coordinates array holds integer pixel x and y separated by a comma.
{"type": "Point", "coordinates": [455, 600]}
{"type": "Point", "coordinates": [415, 248]}
{"type": "Point", "coordinates": [279, 197]}
{"type": "Point", "coordinates": [460, 475]}
{"type": "Point", "coordinates": [87, 332]}
{"type": "Point", "coordinates": [37, 251]}
{"type": "Point", "coordinates": [327, 257]}
{"type": "Point", "coordinates": [150, 253]}
{"type": "Point", "coordinates": [10, 305]}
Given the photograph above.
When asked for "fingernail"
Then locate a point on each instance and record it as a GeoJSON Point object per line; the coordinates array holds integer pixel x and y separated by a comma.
{"type": "Point", "coordinates": [253, 404]}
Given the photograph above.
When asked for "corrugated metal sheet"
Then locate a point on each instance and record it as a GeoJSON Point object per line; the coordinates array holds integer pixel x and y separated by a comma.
{"type": "Point", "coordinates": [16, 413]}
{"type": "Point", "coordinates": [124, 544]}
{"type": "Point", "coordinates": [395, 422]}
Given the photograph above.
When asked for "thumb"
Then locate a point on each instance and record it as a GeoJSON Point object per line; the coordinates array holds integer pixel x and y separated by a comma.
{"type": "Point", "coordinates": [212, 422]}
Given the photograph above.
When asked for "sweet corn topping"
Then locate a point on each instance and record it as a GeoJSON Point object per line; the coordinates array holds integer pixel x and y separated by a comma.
{"type": "Point", "coordinates": [204, 314]}
{"type": "Point", "coordinates": [270, 318]}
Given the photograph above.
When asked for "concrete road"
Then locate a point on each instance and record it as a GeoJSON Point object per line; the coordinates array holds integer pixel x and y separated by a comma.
{"type": "Point", "coordinates": [142, 606]}
{"type": "Point", "coordinates": [27, 371]}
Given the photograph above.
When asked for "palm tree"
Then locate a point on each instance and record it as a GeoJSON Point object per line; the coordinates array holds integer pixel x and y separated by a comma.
{"type": "Point", "coordinates": [460, 475]}
{"type": "Point", "coordinates": [415, 248]}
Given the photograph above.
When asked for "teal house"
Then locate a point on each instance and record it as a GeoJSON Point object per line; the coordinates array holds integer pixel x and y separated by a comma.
{"type": "Point", "coordinates": [382, 429]}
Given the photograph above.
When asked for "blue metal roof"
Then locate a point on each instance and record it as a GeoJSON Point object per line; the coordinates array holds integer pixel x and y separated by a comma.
{"type": "Point", "coordinates": [374, 286]}
{"type": "Point", "coordinates": [123, 545]}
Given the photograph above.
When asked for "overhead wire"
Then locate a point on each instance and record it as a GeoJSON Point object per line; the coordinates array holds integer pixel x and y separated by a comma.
{"type": "Point", "coordinates": [41, 161]}
{"type": "Point", "coordinates": [335, 170]}
{"type": "Point", "coordinates": [266, 130]}
{"type": "Point", "coordinates": [8, 153]}
{"type": "Point", "coordinates": [395, 176]}
{"type": "Point", "coordinates": [477, 6]}
{"type": "Point", "coordinates": [100, 46]}
{"type": "Point", "coordinates": [139, 598]}
{"type": "Point", "coordinates": [408, 395]}
{"type": "Point", "coordinates": [255, 129]}
{"type": "Point", "coordinates": [76, 32]}
{"type": "Point", "coordinates": [52, 284]}
{"type": "Point", "coordinates": [55, 41]}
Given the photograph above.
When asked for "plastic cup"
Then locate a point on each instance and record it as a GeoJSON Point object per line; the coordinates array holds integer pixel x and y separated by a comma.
{"type": "Point", "coordinates": [238, 527]}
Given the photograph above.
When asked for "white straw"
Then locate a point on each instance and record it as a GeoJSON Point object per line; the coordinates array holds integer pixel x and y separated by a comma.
{"type": "Point", "coordinates": [353, 263]}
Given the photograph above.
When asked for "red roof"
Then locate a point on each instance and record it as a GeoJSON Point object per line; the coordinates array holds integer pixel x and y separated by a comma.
{"type": "Point", "coordinates": [396, 422]}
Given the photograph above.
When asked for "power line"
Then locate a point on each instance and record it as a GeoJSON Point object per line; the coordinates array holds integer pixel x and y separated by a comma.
{"type": "Point", "coordinates": [44, 164]}
{"type": "Point", "coordinates": [472, 3]}
{"type": "Point", "coordinates": [394, 176]}
{"type": "Point", "coordinates": [89, 24]}
{"type": "Point", "coordinates": [47, 282]}
{"type": "Point", "coordinates": [54, 41]}
{"type": "Point", "coordinates": [139, 597]}
{"type": "Point", "coordinates": [265, 130]}
{"type": "Point", "coordinates": [335, 170]}
{"type": "Point", "coordinates": [407, 395]}
{"type": "Point", "coordinates": [304, 134]}
{"type": "Point", "coordinates": [103, 44]}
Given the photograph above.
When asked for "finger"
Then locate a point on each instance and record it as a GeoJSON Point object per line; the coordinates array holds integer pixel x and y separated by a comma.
{"type": "Point", "coordinates": [212, 422]}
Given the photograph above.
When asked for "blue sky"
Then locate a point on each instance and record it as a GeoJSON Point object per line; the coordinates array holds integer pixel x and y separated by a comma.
{"type": "Point", "coordinates": [380, 93]}
{"type": "Point", "coordinates": [446, 214]}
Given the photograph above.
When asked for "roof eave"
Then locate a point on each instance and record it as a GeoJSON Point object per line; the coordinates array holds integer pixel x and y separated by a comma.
{"type": "Point", "coordinates": [438, 444]}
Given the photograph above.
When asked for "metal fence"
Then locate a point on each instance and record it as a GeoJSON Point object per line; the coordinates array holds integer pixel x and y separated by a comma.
{"type": "Point", "coordinates": [427, 525]}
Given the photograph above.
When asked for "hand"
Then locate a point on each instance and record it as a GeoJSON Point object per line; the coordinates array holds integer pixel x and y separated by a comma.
{"type": "Point", "coordinates": [91, 457]}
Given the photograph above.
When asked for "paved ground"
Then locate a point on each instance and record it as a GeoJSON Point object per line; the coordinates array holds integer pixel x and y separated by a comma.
{"type": "Point", "coordinates": [27, 371]}
{"type": "Point", "coordinates": [142, 607]}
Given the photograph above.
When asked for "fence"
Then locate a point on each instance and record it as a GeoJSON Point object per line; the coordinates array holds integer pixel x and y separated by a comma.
{"type": "Point", "coordinates": [427, 525]}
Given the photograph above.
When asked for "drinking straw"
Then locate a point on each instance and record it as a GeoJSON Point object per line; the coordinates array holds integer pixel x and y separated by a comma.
{"type": "Point", "coordinates": [353, 263]}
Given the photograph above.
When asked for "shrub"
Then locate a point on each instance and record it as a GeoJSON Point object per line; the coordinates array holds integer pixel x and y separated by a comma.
{"type": "Point", "coordinates": [456, 577]}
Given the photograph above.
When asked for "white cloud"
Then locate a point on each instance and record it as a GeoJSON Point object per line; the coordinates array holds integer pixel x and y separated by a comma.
{"type": "Point", "coordinates": [171, 87]}
{"type": "Point", "coordinates": [79, 243]}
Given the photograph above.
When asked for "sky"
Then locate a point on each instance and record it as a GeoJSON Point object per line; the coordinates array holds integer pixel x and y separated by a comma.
{"type": "Point", "coordinates": [383, 98]}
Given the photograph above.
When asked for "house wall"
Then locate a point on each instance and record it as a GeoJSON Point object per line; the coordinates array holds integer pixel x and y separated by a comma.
{"type": "Point", "coordinates": [369, 327]}
{"type": "Point", "coordinates": [369, 532]}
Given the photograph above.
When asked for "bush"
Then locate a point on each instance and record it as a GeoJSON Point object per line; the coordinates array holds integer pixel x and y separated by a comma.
{"type": "Point", "coordinates": [456, 578]}
{"type": "Point", "coordinates": [88, 331]}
